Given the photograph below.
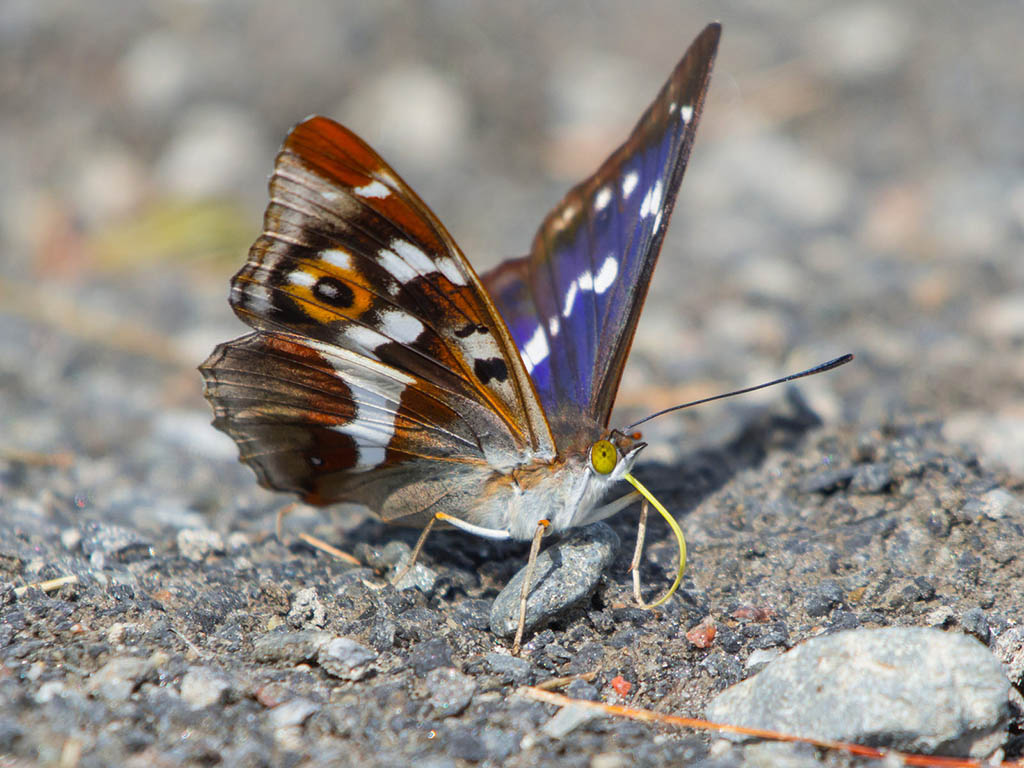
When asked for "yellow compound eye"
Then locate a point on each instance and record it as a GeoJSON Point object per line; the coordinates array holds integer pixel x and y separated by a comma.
{"type": "Point", "coordinates": [603, 457]}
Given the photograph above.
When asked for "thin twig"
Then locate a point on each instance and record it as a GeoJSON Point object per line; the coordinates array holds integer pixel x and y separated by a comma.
{"type": "Point", "coordinates": [46, 586]}
{"type": "Point", "coordinates": [649, 716]}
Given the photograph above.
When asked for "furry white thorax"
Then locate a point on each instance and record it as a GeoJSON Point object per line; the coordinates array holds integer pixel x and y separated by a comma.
{"type": "Point", "coordinates": [567, 497]}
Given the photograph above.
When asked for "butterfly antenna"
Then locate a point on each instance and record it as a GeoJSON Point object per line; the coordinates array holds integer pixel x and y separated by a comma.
{"type": "Point", "coordinates": [809, 372]}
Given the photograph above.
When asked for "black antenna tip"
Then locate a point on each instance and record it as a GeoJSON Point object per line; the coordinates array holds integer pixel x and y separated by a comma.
{"type": "Point", "coordinates": [842, 360]}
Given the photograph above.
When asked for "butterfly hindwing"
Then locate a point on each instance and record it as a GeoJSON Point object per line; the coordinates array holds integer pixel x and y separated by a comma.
{"type": "Point", "coordinates": [351, 256]}
{"type": "Point", "coordinates": [573, 303]}
{"type": "Point", "coordinates": [330, 424]}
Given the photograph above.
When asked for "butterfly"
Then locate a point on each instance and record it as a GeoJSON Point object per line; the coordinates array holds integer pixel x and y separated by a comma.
{"type": "Point", "coordinates": [384, 371]}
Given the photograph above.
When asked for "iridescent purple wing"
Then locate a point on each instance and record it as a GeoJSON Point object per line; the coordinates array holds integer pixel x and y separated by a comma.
{"type": "Point", "coordinates": [573, 303]}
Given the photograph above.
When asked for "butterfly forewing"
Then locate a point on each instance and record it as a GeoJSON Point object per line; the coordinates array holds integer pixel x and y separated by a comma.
{"type": "Point", "coordinates": [379, 365]}
{"type": "Point", "coordinates": [573, 303]}
{"type": "Point", "coordinates": [350, 256]}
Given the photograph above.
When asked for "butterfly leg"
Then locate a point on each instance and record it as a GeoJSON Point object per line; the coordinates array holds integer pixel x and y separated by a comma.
{"type": "Point", "coordinates": [279, 519]}
{"type": "Point", "coordinates": [531, 564]}
{"type": "Point", "coordinates": [476, 530]}
{"type": "Point", "coordinates": [415, 551]}
{"type": "Point", "coordinates": [641, 532]}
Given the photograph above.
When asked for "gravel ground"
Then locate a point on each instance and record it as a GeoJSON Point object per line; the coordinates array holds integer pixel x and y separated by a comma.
{"type": "Point", "coordinates": [856, 186]}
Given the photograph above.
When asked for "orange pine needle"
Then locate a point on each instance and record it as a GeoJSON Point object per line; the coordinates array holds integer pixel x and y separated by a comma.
{"type": "Point", "coordinates": [649, 716]}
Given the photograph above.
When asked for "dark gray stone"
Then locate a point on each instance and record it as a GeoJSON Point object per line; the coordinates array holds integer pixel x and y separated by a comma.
{"type": "Point", "coordinates": [912, 689]}
{"type": "Point", "coordinates": [823, 598]}
{"type": "Point", "coordinates": [10, 733]}
{"type": "Point", "coordinates": [514, 669]}
{"type": "Point", "coordinates": [429, 655]}
{"type": "Point", "coordinates": [975, 622]}
{"type": "Point", "coordinates": [465, 744]}
{"type": "Point", "coordinates": [566, 573]}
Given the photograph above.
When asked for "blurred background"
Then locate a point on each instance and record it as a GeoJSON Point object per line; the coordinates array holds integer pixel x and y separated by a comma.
{"type": "Point", "coordinates": [857, 185]}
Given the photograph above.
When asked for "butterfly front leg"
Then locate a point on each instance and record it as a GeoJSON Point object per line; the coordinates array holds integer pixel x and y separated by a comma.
{"type": "Point", "coordinates": [531, 563]}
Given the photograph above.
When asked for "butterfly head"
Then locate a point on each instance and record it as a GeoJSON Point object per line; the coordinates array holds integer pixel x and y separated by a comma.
{"type": "Point", "coordinates": [613, 456]}
{"type": "Point", "coordinates": [607, 461]}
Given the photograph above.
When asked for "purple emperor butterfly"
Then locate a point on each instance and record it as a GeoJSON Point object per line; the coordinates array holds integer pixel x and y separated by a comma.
{"type": "Point", "coordinates": [383, 371]}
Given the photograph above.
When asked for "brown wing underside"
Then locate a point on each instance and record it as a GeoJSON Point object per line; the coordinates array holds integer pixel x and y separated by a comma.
{"type": "Point", "coordinates": [330, 426]}
{"type": "Point", "coordinates": [352, 257]}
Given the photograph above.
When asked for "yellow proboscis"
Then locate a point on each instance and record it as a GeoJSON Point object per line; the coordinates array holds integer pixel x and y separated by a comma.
{"type": "Point", "coordinates": [675, 529]}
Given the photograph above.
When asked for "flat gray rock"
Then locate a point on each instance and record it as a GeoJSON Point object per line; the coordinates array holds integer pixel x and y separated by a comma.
{"type": "Point", "coordinates": [567, 572]}
{"type": "Point", "coordinates": [912, 689]}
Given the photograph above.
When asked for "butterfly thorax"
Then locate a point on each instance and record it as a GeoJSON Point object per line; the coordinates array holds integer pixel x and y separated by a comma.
{"type": "Point", "coordinates": [567, 491]}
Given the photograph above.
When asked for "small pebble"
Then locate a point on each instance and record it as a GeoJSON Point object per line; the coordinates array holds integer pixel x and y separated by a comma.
{"type": "Point", "coordinates": [103, 541]}
{"type": "Point", "coordinates": [611, 760]}
{"type": "Point", "coordinates": [70, 539]}
{"type": "Point", "coordinates": [48, 691]}
{"type": "Point", "coordinates": [975, 622]}
{"type": "Point", "coordinates": [238, 542]}
{"type": "Point", "coordinates": [823, 598]}
{"type": "Point", "coordinates": [871, 478]}
{"type": "Point", "coordinates": [291, 713]}
{"type": "Point", "coordinates": [514, 669]}
{"type": "Point", "coordinates": [116, 679]}
{"type": "Point", "coordinates": [418, 577]}
{"type": "Point", "coordinates": [429, 655]}
{"type": "Point", "coordinates": [827, 481]}
{"type": "Point", "coordinates": [568, 719]}
{"type": "Point", "coordinates": [760, 658]}
{"type": "Point", "coordinates": [307, 611]}
{"type": "Point", "coordinates": [566, 573]}
{"type": "Point", "coordinates": [344, 658]}
{"type": "Point", "coordinates": [703, 634]}
{"type": "Point", "coordinates": [995, 505]}
{"type": "Point", "coordinates": [203, 687]}
{"type": "Point", "coordinates": [196, 544]}
{"type": "Point", "coordinates": [450, 691]}
{"type": "Point", "coordinates": [1009, 649]}
{"type": "Point", "coordinates": [289, 647]}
